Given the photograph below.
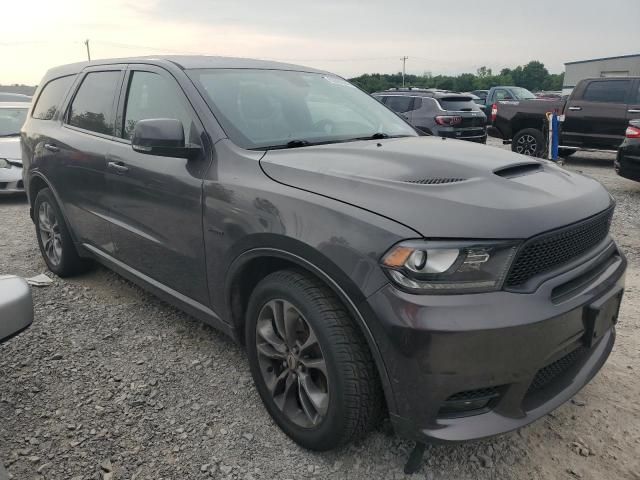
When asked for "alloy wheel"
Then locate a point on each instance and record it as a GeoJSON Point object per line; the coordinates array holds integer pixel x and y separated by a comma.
{"type": "Point", "coordinates": [527, 145]}
{"type": "Point", "coordinates": [292, 364]}
{"type": "Point", "coordinates": [50, 233]}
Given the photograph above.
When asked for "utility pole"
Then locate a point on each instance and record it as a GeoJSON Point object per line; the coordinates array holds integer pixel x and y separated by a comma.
{"type": "Point", "coordinates": [404, 61]}
{"type": "Point", "coordinates": [86, 42]}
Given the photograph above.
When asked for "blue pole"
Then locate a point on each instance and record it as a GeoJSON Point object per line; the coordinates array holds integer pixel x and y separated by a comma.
{"type": "Point", "coordinates": [555, 136]}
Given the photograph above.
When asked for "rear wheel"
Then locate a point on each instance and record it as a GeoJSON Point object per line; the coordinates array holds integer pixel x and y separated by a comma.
{"type": "Point", "coordinates": [54, 239]}
{"type": "Point", "coordinates": [529, 142]}
{"type": "Point", "coordinates": [310, 363]}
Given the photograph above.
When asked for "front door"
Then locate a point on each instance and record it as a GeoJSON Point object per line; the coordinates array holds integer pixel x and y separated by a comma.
{"type": "Point", "coordinates": [597, 116]}
{"type": "Point", "coordinates": [157, 201]}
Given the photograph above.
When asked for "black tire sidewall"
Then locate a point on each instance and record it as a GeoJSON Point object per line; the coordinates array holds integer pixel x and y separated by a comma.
{"type": "Point", "coordinates": [329, 433]}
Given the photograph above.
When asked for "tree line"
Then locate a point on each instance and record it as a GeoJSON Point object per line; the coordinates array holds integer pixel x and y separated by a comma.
{"type": "Point", "coordinates": [533, 76]}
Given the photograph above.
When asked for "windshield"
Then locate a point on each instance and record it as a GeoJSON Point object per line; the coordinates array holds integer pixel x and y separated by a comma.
{"type": "Point", "coordinates": [522, 93]}
{"type": "Point", "coordinates": [11, 120]}
{"type": "Point", "coordinates": [261, 109]}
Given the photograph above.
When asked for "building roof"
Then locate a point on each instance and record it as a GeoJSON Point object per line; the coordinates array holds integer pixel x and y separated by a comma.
{"type": "Point", "coordinates": [603, 58]}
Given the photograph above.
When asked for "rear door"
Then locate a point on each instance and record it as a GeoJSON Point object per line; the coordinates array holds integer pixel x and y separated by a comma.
{"type": "Point", "coordinates": [596, 114]}
{"type": "Point", "coordinates": [633, 112]}
{"type": "Point", "coordinates": [156, 200]}
{"type": "Point", "coordinates": [82, 145]}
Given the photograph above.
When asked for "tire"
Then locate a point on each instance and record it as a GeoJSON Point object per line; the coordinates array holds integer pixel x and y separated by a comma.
{"type": "Point", "coordinates": [348, 399]}
{"type": "Point", "coordinates": [566, 152]}
{"type": "Point", "coordinates": [55, 242]}
{"type": "Point", "coordinates": [529, 141]}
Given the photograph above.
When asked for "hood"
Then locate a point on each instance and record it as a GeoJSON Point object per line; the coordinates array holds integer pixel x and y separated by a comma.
{"type": "Point", "coordinates": [10, 149]}
{"type": "Point", "coordinates": [443, 188]}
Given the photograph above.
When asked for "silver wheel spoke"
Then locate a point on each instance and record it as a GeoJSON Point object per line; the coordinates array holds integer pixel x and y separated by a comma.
{"type": "Point", "coordinates": [315, 364]}
{"type": "Point", "coordinates": [292, 363]}
{"type": "Point", "coordinates": [314, 401]}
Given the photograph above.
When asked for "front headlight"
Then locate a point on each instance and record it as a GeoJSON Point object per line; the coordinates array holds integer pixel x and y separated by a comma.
{"type": "Point", "coordinates": [445, 267]}
{"type": "Point", "coordinates": [4, 163]}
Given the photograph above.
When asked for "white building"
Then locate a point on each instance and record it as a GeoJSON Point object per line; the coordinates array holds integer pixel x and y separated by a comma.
{"type": "Point", "coordinates": [623, 66]}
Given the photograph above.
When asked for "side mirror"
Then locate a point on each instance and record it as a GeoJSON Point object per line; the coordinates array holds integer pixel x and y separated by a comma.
{"type": "Point", "coordinates": [163, 137]}
{"type": "Point", "coordinates": [16, 306]}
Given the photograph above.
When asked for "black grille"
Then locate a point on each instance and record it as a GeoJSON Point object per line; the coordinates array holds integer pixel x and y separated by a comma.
{"type": "Point", "coordinates": [553, 249]}
{"type": "Point", "coordinates": [3, 185]}
{"type": "Point", "coordinates": [467, 395]}
{"type": "Point", "coordinates": [435, 181]}
{"type": "Point", "coordinates": [552, 371]}
{"type": "Point", "coordinates": [20, 184]}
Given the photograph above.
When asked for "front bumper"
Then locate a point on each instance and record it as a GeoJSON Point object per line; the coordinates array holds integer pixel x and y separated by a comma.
{"type": "Point", "coordinates": [11, 180]}
{"type": "Point", "coordinates": [528, 351]}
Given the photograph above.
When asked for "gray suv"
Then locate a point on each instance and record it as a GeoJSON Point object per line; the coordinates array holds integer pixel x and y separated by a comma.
{"type": "Point", "coordinates": [462, 291]}
{"type": "Point", "coordinates": [437, 112]}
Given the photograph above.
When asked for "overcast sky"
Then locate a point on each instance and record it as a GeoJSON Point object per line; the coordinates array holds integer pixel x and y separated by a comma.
{"type": "Point", "coordinates": [347, 37]}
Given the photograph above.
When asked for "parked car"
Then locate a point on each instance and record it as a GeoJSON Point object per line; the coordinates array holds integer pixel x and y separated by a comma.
{"type": "Point", "coordinates": [12, 116]}
{"type": "Point", "coordinates": [14, 97]}
{"type": "Point", "coordinates": [627, 163]}
{"type": "Point", "coordinates": [549, 95]}
{"type": "Point", "coordinates": [462, 290]}
{"type": "Point", "coordinates": [596, 115]}
{"type": "Point", "coordinates": [16, 307]}
{"type": "Point", "coordinates": [481, 94]}
{"type": "Point", "coordinates": [444, 114]}
{"type": "Point", "coordinates": [503, 93]}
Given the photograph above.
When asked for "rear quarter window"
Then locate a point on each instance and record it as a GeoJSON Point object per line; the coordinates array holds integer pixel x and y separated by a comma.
{"type": "Point", "coordinates": [607, 91]}
{"type": "Point", "coordinates": [399, 104]}
{"type": "Point", "coordinates": [51, 97]}
{"type": "Point", "coordinates": [92, 106]}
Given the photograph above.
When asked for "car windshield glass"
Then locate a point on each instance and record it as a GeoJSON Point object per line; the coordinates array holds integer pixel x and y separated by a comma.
{"type": "Point", "coordinates": [11, 120]}
{"type": "Point", "coordinates": [522, 93]}
{"type": "Point", "coordinates": [261, 109]}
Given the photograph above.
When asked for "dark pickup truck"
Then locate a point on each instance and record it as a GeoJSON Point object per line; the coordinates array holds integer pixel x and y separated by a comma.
{"type": "Point", "coordinates": [596, 115]}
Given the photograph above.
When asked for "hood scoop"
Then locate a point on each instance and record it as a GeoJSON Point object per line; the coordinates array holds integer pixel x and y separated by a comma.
{"type": "Point", "coordinates": [518, 170]}
{"type": "Point", "coordinates": [435, 181]}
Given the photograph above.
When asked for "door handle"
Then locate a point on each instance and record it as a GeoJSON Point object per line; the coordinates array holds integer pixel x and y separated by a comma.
{"type": "Point", "coordinates": [575, 109]}
{"type": "Point", "coordinates": [119, 167]}
{"type": "Point", "coordinates": [51, 147]}
{"type": "Point", "coordinates": [634, 110]}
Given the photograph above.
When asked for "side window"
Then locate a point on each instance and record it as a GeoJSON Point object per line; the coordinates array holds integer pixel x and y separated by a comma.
{"type": "Point", "coordinates": [607, 91]}
{"type": "Point", "coordinates": [400, 104]}
{"type": "Point", "coordinates": [50, 98]}
{"type": "Point", "coordinates": [152, 96]}
{"type": "Point", "coordinates": [92, 107]}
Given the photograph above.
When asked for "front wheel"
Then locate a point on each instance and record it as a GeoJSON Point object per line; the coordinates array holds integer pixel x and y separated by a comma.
{"type": "Point", "coordinates": [310, 363]}
{"type": "Point", "coordinates": [529, 142]}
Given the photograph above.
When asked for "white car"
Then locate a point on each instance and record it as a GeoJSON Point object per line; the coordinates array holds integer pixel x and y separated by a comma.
{"type": "Point", "coordinates": [16, 306]}
{"type": "Point", "coordinates": [12, 116]}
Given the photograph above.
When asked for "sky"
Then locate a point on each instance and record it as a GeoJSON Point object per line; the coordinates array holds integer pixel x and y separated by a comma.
{"type": "Point", "coordinates": [348, 37]}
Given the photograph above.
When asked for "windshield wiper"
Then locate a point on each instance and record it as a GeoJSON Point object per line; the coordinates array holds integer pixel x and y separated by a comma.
{"type": "Point", "coordinates": [291, 144]}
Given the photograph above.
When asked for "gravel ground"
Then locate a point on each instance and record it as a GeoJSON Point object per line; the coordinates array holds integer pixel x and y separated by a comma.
{"type": "Point", "coordinates": [111, 383]}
